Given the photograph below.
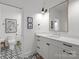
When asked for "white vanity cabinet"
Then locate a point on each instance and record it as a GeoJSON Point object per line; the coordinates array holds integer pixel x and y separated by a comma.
{"type": "Point", "coordinates": [55, 49]}
{"type": "Point", "coordinates": [43, 46]}
{"type": "Point", "coordinates": [47, 49]}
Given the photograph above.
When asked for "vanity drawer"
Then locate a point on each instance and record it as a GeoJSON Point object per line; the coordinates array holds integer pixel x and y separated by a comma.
{"type": "Point", "coordinates": [61, 44]}
{"type": "Point", "coordinates": [75, 49]}
{"type": "Point", "coordinates": [73, 52]}
{"type": "Point", "coordinates": [67, 46]}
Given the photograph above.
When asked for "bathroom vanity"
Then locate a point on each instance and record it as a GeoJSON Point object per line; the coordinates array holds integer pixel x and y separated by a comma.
{"type": "Point", "coordinates": [57, 46]}
{"type": "Point", "coordinates": [54, 47]}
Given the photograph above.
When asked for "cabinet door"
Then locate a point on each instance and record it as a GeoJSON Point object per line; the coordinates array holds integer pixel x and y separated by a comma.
{"type": "Point", "coordinates": [43, 47]}
{"type": "Point", "coordinates": [54, 52]}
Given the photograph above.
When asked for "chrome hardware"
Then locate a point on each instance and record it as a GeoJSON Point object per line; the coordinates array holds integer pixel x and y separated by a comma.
{"type": "Point", "coordinates": [67, 52]}
{"type": "Point", "coordinates": [67, 45]}
{"type": "Point", "coordinates": [38, 47]}
{"type": "Point", "coordinates": [48, 44]}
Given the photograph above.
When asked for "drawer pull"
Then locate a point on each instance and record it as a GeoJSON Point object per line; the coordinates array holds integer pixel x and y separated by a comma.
{"type": "Point", "coordinates": [38, 47]}
{"type": "Point", "coordinates": [38, 36]}
{"type": "Point", "coordinates": [67, 45]}
{"type": "Point", "coordinates": [67, 52]}
{"type": "Point", "coordinates": [38, 40]}
{"type": "Point", "coordinates": [48, 44]}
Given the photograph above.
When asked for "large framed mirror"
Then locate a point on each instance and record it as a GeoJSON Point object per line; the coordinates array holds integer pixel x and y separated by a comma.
{"type": "Point", "coordinates": [58, 17]}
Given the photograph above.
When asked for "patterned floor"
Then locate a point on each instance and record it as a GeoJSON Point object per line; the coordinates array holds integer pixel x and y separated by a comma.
{"type": "Point", "coordinates": [30, 57]}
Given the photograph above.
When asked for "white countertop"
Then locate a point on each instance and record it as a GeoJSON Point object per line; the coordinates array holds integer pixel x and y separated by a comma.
{"type": "Point", "coordinates": [61, 38]}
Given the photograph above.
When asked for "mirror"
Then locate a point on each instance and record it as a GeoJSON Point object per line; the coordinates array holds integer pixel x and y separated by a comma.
{"type": "Point", "coordinates": [58, 16]}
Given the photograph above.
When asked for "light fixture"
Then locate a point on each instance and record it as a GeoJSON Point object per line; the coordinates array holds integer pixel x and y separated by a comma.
{"type": "Point", "coordinates": [44, 10]}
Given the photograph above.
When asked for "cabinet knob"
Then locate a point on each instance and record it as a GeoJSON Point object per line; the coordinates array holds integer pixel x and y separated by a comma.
{"type": "Point", "coordinates": [38, 47]}
{"type": "Point", "coordinates": [38, 40]}
{"type": "Point", "coordinates": [48, 44]}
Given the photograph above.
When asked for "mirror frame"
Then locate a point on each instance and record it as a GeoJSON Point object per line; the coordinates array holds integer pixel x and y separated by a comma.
{"type": "Point", "coordinates": [67, 16]}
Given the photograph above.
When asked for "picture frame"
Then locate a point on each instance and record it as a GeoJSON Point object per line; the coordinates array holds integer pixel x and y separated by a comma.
{"type": "Point", "coordinates": [29, 19]}
{"type": "Point", "coordinates": [52, 24]}
{"type": "Point", "coordinates": [10, 25]}
{"type": "Point", "coordinates": [29, 22]}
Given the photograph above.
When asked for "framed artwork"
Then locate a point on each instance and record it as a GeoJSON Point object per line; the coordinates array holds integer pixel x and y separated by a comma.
{"type": "Point", "coordinates": [30, 19]}
{"type": "Point", "coordinates": [10, 25]}
{"type": "Point", "coordinates": [52, 24]}
{"type": "Point", "coordinates": [29, 22]}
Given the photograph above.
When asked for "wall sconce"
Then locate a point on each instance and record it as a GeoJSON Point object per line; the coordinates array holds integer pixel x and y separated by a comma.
{"type": "Point", "coordinates": [44, 10]}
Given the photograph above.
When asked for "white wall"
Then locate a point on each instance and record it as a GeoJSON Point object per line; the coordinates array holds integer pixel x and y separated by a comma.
{"type": "Point", "coordinates": [74, 18]}
{"type": "Point", "coordinates": [30, 8]}
{"type": "Point", "coordinates": [43, 20]}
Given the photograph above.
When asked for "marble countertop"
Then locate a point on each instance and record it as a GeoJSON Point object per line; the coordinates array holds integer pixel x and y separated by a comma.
{"type": "Point", "coordinates": [61, 38]}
